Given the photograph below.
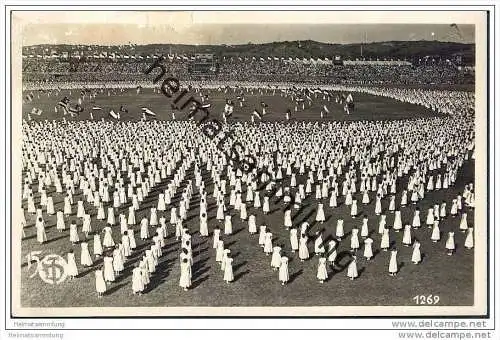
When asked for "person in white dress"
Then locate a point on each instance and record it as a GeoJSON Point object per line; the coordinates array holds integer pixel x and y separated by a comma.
{"type": "Point", "coordinates": [153, 217]}
{"type": "Point", "coordinates": [97, 246]}
{"type": "Point", "coordinates": [378, 205]}
{"type": "Point", "coordinates": [469, 239]}
{"type": "Point", "coordinates": [303, 251]}
{"type": "Point", "coordinates": [203, 225]}
{"type": "Point", "coordinates": [276, 258]}
{"type": "Point", "coordinates": [436, 232]}
{"type": "Point", "coordinates": [86, 227]}
{"type": "Point", "coordinates": [228, 270]}
{"type": "Point", "coordinates": [71, 269]}
{"type": "Point", "coordinates": [283, 270]}
{"type": "Point", "coordinates": [348, 198]}
{"type": "Point", "coordinates": [144, 229]}
{"type": "Point", "coordinates": [219, 251]}
{"type": "Point", "coordinates": [382, 223]}
{"type": "Point", "coordinates": [161, 202]}
{"type": "Point", "coordinates": [352, 269]}
{"type": "Point", "coordinates": [268, 243]}
{"type": "Point", "coordinates": [354, 239]}
{"type": "Point", "coordinates": [385, 241]}
{"type": "Point", "coordinates": [118, 260]}
{"type": "Point", "coordinates": [442, 210]}
{"type": "Point", "coordinates": [294, 241]}
{"type": "Point", "coordinates": [354, 209]}
{"type": "Point", "coordinates": [85, 258]}
{"type": "Point", "coordinates": [256, 200]}
{"type": "Point", "coordinates": [41, 236]}
{"type": "Point", "coordinates": [393, 263]}
{"type": "Point", "coordinates": [454, 207]}
{"type": "Point", "coordinates": [216, 237]}
{"type": "Point", "coordinates": [339, 230]}
{"type": "Point", "coordinates": [31, 204]}
{"type": "Point", "coordinates": [178, 229]}
{"type": "Point", "coordinates": [364, 227]}
{"type": "Point", "coordinates": [225, 255]}
{"type": "Point", "coordinates": [252, 225]}
{"type": "Point", "coordinates": [111, 216]}
{"type": "Point", "coordinates": [137, 283]}
{"type": "Point", "coordinates": [404, 198]}
{"type": "Point", "coordinates": [131, 239]}
{"type": "Point", "coordinates": [366, 198]}
{"type": "Point", "coordinates": [228, 225]}
{"type": "Point", "coordinates": [101, 214]}
{"type": "Point", "coordinates": [416, 257]}
{"type": "Point", "coordinates": [100, 284]}
{"type": "Point", "coordinates": [109, 273]}
{"type": "Point", "coordinates": [60, 224]}
{"type": "Point", "coordinates": [398, 224]}
{"type": "Point", "coordinates": [73, 233]}
{"type": "Point", "coordinates": [80, 212]}
{"type": "Point", "coordinates": [416, 219]}
{"type": "Point", "coordinates": [131, 216]}
{"type": "Point", "coordinates": [262, 235]}
{"type": "Point", "coordinates": [288, 219]}
{"type": "Point", "coordinates": [319, 248]}
{"type": "Point", "coordinates": [463, 223]}
{"type": "Point", "coordinates": [407, 236]}
{"type": "Point", "coordinates": [67, 206]}
{"type": "Point", "coordinates": [108, 241]}
{"type": "Point", "coordinates": [322, 273]}
{"type": "Point", "coordinates": [265, 206]}
{"type": "Point", "coordinates": [220, 211]}
{"type": "Point", "coordinates": [430, 217]}
{"type": "Point", "coordinates": [392, 203]}
{"type": "Point", "coordinates": [185, 279]}
{"type": "Point", "coordinates": [368, 252]}
{"type": "Point", "coordinates": [320, 214]}
{"type": "Point", "coordinates": [332, 252]}
{"type": "Point", "coordinates": [450, 243]}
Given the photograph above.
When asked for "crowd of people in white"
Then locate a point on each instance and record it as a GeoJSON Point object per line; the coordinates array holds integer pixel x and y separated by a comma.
{"type": "Point", "coordinates": [95, 177]}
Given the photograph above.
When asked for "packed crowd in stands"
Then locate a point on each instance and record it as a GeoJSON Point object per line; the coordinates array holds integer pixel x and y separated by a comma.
{"type": "Point", "coordinates": [35, 70]}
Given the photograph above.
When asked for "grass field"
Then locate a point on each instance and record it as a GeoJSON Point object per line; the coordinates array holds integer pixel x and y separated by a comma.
{"type": "Point", "coordinates": [256, 284]}
{"type": "Point", "coordinates": [368, 107]}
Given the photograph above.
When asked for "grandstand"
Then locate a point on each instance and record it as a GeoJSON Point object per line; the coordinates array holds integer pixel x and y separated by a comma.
{"type": "Point", "coordinates": [97, 64]}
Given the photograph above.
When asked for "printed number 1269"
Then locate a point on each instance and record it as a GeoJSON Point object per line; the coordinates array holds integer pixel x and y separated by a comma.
{"type": "Point", "coordinates": [426, 299]}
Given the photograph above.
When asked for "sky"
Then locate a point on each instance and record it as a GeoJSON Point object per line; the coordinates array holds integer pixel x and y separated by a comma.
{"type": "Point", "coordinates": [191, 28]}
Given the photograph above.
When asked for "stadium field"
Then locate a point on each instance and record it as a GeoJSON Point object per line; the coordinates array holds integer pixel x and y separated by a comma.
{"type": "Point", "coordinates": [367, 107]}
{"type": "Point", "coordinates": [256, 284]}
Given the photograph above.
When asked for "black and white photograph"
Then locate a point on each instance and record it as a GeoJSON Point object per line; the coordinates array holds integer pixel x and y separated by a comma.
{"type": "Point", "coordinates": [198, 163]}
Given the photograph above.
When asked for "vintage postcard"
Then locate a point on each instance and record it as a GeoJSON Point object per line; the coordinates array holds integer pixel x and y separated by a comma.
{"type": "Point", "coordinates": [249, 163]}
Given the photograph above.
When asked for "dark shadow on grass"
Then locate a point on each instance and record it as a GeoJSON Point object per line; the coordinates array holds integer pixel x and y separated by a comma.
{"type": "Point", "coordinates": [57, 238]}
{"type": "Point", "coordinates": [308, 216]}
{"type": "Point", "coordinates": [237, 231]}
{"type": "Point", "coordinates": [273, 211]}
{"type": "Point", "coordinates": [28, 237]}
{"type": "Point", "coordinates": [361, 271]}
{"type": "Point", "coordinates": [114, 289]}
{"type": "Point", "coordinates": [199, 281]}
{"type": "Point", "coordinates": [229, 244]}
{"type": "Point", "coordinates": [240, 275]}
{"type": "Point", "coordinates": [239, 265]}
{"type": "Point", "coordinates": [85, 273]}
{"type": "Point", "coordinates": [295, 275]}
{"type": "Point", "coordinates": [200, 271]}
{"type": "Point", "coordinates": [298, 212]}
